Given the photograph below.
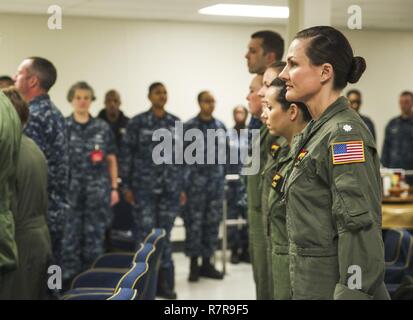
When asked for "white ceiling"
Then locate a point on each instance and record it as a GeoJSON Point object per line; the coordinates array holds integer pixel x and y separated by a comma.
{"type": "Point", "coordinates": [377, 14]}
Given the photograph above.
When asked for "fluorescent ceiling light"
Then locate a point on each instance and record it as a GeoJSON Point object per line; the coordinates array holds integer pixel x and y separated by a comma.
{"type": "Point", "coordinates": [242, 10]}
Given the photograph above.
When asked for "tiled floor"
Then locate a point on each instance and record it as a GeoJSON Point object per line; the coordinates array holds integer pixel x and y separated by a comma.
{"type": "Point", "coordinates": [238, 283]}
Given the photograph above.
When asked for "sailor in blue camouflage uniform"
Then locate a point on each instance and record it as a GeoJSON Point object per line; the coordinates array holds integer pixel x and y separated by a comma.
{"type": "Point", "coordinates": [92, 184]}
{"type": "Point", "coordinates": [118, 121]}
{"type": "Point", "coordinates": [35, 76]}
{"type": "Point", "coordinates": [237, 192]}
{"type": "Point", "coordinates": [398, 141]}
{"type": "Point", "coordinates": [205, 190]}
{"type": "Point", "coordinates": [152, 187]}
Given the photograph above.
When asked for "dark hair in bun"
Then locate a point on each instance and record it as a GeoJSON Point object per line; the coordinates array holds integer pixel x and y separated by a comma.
{"type": "Point", "coordinates": [358, 65]}
{"type": "Point", "coordinates": [328, 45]}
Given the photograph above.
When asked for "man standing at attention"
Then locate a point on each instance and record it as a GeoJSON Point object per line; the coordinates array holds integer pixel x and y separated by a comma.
{"type": "Point", "coordinates": [264, 49]}
{"type": "Point", "coordinates": [35, 77]}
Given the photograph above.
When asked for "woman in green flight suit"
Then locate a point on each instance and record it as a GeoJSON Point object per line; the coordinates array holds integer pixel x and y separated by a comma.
{"type": "Point", "coordinates": [10, 135]}
{"type": "Point", "coordinates": [333, 193]}
{"type": "Point", "coordinates": [288, 120]}
{"type": "Point", "coordinates": [29, 281]}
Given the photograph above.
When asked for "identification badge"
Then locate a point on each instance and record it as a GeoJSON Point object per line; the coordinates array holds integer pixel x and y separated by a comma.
{"type": "Point", "coordinates": [96, 155]}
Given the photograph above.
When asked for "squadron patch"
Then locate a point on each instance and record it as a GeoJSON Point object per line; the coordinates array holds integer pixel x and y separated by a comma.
{"type": "Point", "coordinates": [274, 150]}
{"type": "Point", "coordinates": [300, 156]}
{"type": "Point", "coordinates": [276, 181]}
{"type": "Point", "coordinates": [348, 152]}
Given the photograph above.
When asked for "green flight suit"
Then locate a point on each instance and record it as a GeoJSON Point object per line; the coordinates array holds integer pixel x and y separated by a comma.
{"type": "Point", "coordinates": [333, 200]}
{"type": "Point", "coordinates": [257, 231]}
{"type": "Point", "coordinates": [277, 147]}
{"type": "Point", "coordinates": [10, 135]}
{"type": "Point", "coordinates": [277, 217]}
{"type": "Point", "coordinates": [29, 281]}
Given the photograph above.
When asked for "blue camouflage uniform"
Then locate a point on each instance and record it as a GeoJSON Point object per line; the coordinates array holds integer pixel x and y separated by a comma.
{"type": "Point", "coordinates": [156, 187]}
{"type": "Point", "coordinates": [237, 194]}
{"type": "Point", "coordinates": [398, 145]}
{"type": "Point", "coordinates": [47, 128]}
{"type": "Point", "coordinates": [204, 184]}
{"type": "Point", "coordinates": [122, 211]}
{"type": "Point", "coordinates": [89, 193]}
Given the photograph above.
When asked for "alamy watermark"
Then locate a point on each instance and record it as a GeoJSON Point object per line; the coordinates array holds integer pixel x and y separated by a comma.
{"type": "Point", "coordinates": [189, 148]}
{"type": "Point", "coordinates": [54, 281]}
{"type": "Point", "coordinates": [354, 282]}
{"type": "Point", "coordinates": [55, 20]}
{"type": "Point", "coordinates": [354, 21]}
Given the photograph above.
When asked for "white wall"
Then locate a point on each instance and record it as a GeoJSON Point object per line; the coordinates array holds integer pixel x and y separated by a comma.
{"type": "Point", "coordinates": [188, 57]}
{"type": "Point", "coordinates": [129, 55]}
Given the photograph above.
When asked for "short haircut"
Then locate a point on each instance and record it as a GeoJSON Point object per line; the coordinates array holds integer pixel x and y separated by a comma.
{"type": "Point", "coordinates": [199, 98]}
{"type": "Point", "coordinates": [353, 91]}
{"type": "Point", "coordinates": [112, 92]}
{"type": "Point", "coordinates": [281, 98]}
{"type": "Point", "coordinates": [81, 85]}
{"type": "Point", "coordinates": [45, 72]}
{"type": "Point", "coordinates": [155, 85]}
{"type": "Point", "coordinates": [407, 93]}
{"type": "Point", "coordinates": [271, 42]}
{"type": "Point", "coordinates": [19, 103]}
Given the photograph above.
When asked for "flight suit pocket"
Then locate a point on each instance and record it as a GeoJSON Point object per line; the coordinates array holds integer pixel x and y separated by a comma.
{"type": "Point", "coordinates": [357, 220]}
{"type": "Point", "coordinates": [351, 210]}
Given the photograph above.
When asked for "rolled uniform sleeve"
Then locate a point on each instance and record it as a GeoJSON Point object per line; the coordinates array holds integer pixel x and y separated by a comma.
{"type": "Point", "coordinates": [356, 209]}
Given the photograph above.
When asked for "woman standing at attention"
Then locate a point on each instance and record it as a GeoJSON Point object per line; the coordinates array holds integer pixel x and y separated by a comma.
{"type": "Point", "coordinates": [333, 193]}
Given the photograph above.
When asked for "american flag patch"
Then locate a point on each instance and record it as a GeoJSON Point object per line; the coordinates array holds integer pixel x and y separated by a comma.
{"type": "Point", "coordinates": [348, 152]}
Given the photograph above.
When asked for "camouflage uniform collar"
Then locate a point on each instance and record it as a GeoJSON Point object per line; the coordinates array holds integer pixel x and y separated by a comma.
{"type": "Point", "coordinates": [102, 115]}
{"type": "Point", "coordinates": [255, 123]}
{"type": "Point", "coordinates": [40, 98]}
{"type": "Point", "coordinates": [91, 119]}
{"type": "Point", "coordinates": [405, 119]}
{"type": "Point", "coordinates": [204, 121]}
{"type": "Point", "coordinates": [152, 114]}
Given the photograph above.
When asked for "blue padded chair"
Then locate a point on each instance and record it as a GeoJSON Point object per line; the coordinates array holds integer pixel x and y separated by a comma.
{"type": "Point", "coordinates": [155, 239]}
{"type": "Point", "coordinates": [124, 260]}
{"type": "Point", "coordinates": [392, 244]}
{"type": "Point", "coordinates": [121, 294]}
{"type": "Point", "coordinates": [401, 264]}
{"type": "Point", "coordinates": [105, 282]}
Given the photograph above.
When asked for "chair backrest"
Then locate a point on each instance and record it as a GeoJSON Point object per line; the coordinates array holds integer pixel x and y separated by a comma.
{"type": "Point", "coordinates": [154, 235]}
{"type": "Point", "coordinates": [115, 260]}
{"type": "Point", "coordinates": [124, 294]}
{"type": "Point", "coordinates": [392, 243]}
{"type": "Point", "coordinates": [400, 242]}
{"type": "Point", "coordinates": [144, 252]}
{"type": "Point", "coordinates": [135, 278]}
{"type": "Point", "coordinates": [158, 238]}
{"type": "Point", "coordinates": [98, 278]}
